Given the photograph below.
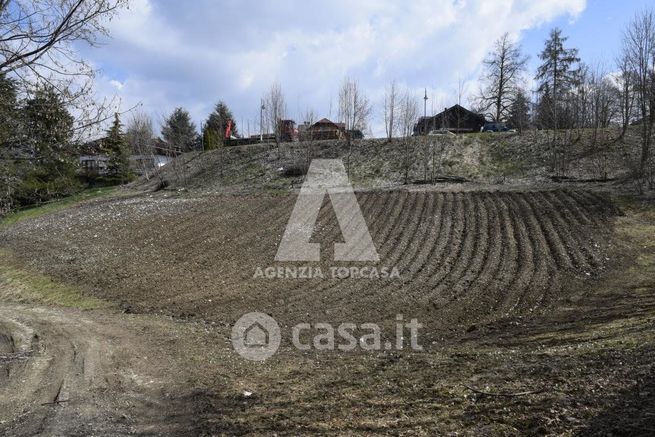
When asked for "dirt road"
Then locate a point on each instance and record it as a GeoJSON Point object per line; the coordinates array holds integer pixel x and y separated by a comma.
{"type": "Point", "coordinates": [66, 372]}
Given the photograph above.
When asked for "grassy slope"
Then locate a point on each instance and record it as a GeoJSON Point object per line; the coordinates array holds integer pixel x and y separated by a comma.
{"type": "Point", "coordinates": [479, 157]}
{"type": "Point", "coordinates": [23, 285]}
{"type": "Point", "coordinates": [57, 205]}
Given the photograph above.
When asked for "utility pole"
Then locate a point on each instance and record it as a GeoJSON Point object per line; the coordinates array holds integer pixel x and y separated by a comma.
{"type": "Point", "coordinates": [202, 136]}
{"type": "Point", "coordinates": [459, 100]}
{"type": "Point", "coordinates": [425, 108]}
{"type": "Point", "coordinates": [261, 122]}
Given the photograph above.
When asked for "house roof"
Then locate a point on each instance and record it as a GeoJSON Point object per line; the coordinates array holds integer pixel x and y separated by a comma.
{"type": "Point", "coordinates": [459, 108]}
{"type": "Point", "coordinates": [325, 121]}
{"type": "Point", "coordinates": [448, 113]}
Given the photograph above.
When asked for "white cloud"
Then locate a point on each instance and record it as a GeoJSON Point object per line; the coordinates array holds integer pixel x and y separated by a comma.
{"type": "Point", "coordinates": [166, 55]}
{"type": "Point", "coordinates": [116, 84]}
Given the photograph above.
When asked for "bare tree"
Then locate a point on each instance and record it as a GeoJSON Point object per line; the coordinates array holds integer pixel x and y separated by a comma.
{"type": "Point", "coordinates": [309, 118]}
{"type": "Point", "coordinates": [36, 47]}
{"type": "Point", "coordinates": [639, 51]}
{"type": "Point", "coordinates": [503, 69]}
{"type": "Point", "coordinates": [408, 113]}
{"type": "Point", "coordinates": [460, 93]}
{"type": "Point", "coordinates": [625, 90]}
{"type": "Point", "coordinates": [601, 99]}
{"type": "Point", "coordinates": [354, 106]}
{"type": "Point", "coordinates": [139, 134]}
{"type": "Point", "coordinates": [600, 108]}
{"type": "Point", "coordinates": [390, 104]}
{"type": "Point", "coordinates": [275, 109]}
{"type": "Point", "coordinates": [354, 111]}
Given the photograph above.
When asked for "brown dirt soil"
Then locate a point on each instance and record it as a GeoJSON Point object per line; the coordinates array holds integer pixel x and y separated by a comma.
{"type": "Point", "coordinates": [548, 292]}
{"type": "Point", "coordinates": [463, 257]}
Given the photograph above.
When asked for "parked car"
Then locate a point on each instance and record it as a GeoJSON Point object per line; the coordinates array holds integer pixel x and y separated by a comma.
{"type": "Point", "coordinates": [495, 127]}
{"type": "Point", "coordinates": [356, 134]}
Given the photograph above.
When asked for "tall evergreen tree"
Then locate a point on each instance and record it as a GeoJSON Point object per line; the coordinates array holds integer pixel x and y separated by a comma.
{"type": "Point", "coordinates": [519, 111]}
{"type": "Point", "coordinates": [8, 112]}
{"type": "Point", "coordinates": [210, 140]}
{"type": "Point", "coordinates": [8, 133]}
{"type": "Point", "coordinates": [179, 131]}
{"type": "Point", "coordinates": [556, 78]}
{"type": "Point", "coordinates": [217, 121]}
{"type": "Point", "coordinates": [116, 147]}
{"type": "Point", "coordinates": [49, 128]}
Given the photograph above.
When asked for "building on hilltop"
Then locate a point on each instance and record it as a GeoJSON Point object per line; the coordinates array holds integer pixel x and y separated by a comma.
{"type": "Point", "coordinates": [456, 119]}
{"type": "Point", "coordinates": [325, 129]}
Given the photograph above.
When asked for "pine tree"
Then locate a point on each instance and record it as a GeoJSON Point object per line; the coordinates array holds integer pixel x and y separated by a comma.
{"type": "Point", "coordinates": [49, 126]}
{"type": "Point", "coordinates": [8, 136]}
{"type": "Point", "coordinates": [48, 130]}
{"type": "Point", "coordinates": [209, 139]}
{"type": "Point", "coordinates": [116, 147]}
{"type": "Point", "coordinates": [216, 126]}
{"type": "Point", "coordinates": [179, 132]}
{"type": "Point", "coordinates": [8, 112]}
{"type": "Point", "coordinates": [556, 78]}
{"type": "Point", "coordinates": [519, 111]}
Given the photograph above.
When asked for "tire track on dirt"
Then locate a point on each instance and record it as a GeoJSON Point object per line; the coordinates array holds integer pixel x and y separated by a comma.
{"type": "Point", "coordinates": [77, 376]}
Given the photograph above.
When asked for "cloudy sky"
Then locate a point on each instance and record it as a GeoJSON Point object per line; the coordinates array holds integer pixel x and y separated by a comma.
{"type": "Point", "coordinates": [166, 53]}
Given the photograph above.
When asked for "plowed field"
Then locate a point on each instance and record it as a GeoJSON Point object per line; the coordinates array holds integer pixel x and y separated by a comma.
{"type": "Point", "coordinates": [463, 257]}
{"type": "Point", "coordinates": [532, 297]}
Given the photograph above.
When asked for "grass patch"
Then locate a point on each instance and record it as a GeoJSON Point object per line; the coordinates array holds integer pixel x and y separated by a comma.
{"type": "Point", "coordinates": [57, 205]}
{"type": "Point", "coordinates": [21, 285]}
{"type": "Point", "coordinates": [638, 224]}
